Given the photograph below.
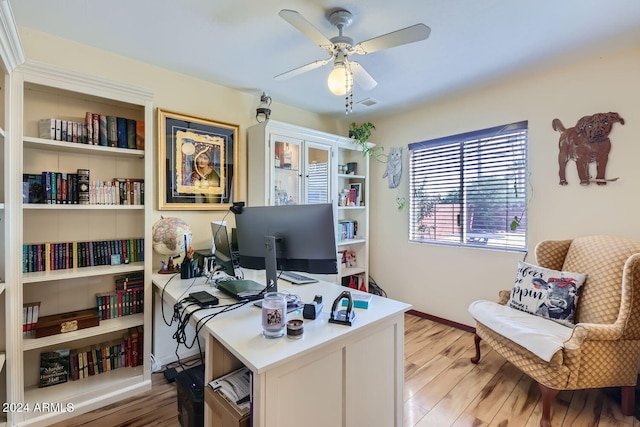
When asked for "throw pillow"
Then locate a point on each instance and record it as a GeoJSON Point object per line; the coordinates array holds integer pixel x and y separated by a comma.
{"type": "Point", "coordinates": [548, 293]}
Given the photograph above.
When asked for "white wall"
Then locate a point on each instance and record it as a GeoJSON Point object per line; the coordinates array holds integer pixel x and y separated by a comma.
{"type": "Point", "coordinates": [442, 281]}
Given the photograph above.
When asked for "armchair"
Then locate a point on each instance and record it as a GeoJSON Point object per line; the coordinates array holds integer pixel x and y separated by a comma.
{"type": "Point", "coordinates": [603, 348]}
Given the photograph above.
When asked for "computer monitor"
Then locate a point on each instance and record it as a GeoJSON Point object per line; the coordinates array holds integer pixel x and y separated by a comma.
{"type": "Point", "coordinates": [304, 237]}
{"type": "Point", "coordinates": [222, 247]}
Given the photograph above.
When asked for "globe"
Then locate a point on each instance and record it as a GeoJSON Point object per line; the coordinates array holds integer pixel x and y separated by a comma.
{"type": "Point", "coordinates": [168, 236]}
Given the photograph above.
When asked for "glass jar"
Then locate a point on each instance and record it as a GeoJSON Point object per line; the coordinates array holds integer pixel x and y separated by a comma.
{"type": "Point", "coordinates": [274, 314]}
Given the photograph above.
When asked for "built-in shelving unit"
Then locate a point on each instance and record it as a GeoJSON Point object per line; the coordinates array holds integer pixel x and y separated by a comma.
{"type": "Point", "coordinates": [349, 156]}
{"type": "Point", "coordinates": [43, 92]}
{"type": "Point", "coordinates": [293, 164]}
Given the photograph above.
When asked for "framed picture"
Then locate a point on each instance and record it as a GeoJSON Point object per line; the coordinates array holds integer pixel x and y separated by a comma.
{"type": "Point", "coordinates": [355, 194]}
{"type": "Point", "coordinates": [197, 163]}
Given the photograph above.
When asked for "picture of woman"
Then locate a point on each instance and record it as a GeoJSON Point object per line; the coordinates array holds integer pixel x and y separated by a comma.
{"type": "Point", "coordinates": [200, 170]}
{"type": "Point", "coordinates": [204, 174]}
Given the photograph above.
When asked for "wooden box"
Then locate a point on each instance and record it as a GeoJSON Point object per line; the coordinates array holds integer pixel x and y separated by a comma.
{"type": "Point", "coordinates": [66, 322]}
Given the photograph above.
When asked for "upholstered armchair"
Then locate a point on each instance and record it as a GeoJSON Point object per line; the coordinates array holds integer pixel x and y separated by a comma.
{"type": "Point", "coordinates": [601, 350]}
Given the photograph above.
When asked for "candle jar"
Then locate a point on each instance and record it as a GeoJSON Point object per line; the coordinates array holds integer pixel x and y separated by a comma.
{"type": "Point", "coordinates": [274, 314]}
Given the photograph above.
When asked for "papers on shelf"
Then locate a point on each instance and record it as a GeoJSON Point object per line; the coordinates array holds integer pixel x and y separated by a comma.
{"type": "Point", "coordinates": [235, 387]}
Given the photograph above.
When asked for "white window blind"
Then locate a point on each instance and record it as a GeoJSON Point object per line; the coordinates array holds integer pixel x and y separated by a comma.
{"type": "Point", "coordinates": [318, 183]}
{"type": "Point", "coordinates": [470, 189]}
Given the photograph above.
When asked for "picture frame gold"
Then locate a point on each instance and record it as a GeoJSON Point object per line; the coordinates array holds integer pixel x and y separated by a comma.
{"type": "Point", "coordinates": [197, 162]}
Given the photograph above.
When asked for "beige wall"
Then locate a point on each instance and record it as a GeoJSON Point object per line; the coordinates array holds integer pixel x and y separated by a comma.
{"type": "Point", "coordinates": [442, 281]}
{"type": "Point", "coordinates": [174, 92]}
{"type": "Point", "coordinates": [437, 280]}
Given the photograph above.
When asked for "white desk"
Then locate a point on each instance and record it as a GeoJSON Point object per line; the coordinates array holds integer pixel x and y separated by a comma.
{"type": "Point", "coordinates": [335, 375]}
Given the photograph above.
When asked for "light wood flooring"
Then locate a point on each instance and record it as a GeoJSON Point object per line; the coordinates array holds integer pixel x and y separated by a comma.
{"type": "Point", "coordinates": [442, 388]}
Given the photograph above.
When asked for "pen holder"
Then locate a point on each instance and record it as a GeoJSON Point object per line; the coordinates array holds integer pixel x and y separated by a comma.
{"type": "Point", "coordinates": [187, 270]}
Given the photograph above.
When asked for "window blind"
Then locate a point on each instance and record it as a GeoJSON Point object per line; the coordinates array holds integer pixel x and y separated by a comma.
{"type": "Point", "coordinates": [318, 183]}
{"type": "Point", "coordinates": [470, 189]}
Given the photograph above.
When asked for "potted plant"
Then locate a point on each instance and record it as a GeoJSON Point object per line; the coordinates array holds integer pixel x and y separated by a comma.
{"type": "Point", "coordinates": [360, 134]}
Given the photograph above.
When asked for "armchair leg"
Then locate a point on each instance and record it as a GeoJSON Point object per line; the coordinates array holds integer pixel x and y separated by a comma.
{"type": "Point", "coordinates": [548, 395]}
{"type": "Point", "coordinates": [628, 400]}
{"type": "Point", "coordinates": [475, 359]}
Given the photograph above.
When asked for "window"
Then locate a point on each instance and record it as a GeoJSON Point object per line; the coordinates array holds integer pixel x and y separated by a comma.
{"type": "Point", "coordinates": [470, 189]}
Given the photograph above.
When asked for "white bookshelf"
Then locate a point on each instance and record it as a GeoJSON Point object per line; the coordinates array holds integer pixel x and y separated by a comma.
{"type": "Point", "coordinates": [42, 91]}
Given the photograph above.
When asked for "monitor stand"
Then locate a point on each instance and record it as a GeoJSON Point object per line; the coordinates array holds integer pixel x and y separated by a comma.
{"type": "Point", "coordinates": [270, 263]}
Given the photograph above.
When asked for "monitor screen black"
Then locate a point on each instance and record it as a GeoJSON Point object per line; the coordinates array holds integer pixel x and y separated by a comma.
{"type": "Point", "coordinates": [304, 236]}
{"type": "Point", "coordinates": [222, 247]}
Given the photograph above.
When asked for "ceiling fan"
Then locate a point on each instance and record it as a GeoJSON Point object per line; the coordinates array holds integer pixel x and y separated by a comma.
{"type": "Point", "coordinates": [340, 48]}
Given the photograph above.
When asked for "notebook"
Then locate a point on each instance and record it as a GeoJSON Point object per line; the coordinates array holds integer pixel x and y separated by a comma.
{"type": "Point", "coordinates": [242, 290]}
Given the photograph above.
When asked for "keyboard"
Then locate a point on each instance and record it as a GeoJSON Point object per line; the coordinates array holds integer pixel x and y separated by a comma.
{"type": "Point", "coordinates": [295, 278]}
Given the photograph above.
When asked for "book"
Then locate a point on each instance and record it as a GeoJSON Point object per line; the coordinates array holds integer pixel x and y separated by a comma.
{"type": "Point", "coordinates": [121, 125]}
{"type": "Point", "coordinates": [102, 130]}
{"type": "Point", "coordinates": [47, 128]}
{"type": "Point", "coordinates": [34, 190]}
{"type": "Point", "coordinates": [139, 135]}
{"type": "Point", "coordinates": [112, 131]}
{"type": "Point", "coordinates": [54, 367]}
{"type": "Point", "coordinates": [131, 134]}
{"type": "Point", "coordinates": [83, 186]}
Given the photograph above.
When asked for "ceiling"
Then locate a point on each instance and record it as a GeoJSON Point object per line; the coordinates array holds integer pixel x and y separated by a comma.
{"type": "Point", "coordinates": [243, 44]}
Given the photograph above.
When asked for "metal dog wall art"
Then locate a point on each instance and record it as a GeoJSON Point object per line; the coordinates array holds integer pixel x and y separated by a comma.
{"type": "Point", "coordinates": [587, 142]}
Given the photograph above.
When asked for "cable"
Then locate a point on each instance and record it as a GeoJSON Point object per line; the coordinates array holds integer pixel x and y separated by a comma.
{"type": "Point", "coordinates": [375, 289]}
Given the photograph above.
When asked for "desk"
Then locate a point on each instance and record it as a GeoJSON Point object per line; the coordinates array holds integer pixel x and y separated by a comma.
{"type": "Point", "coordinates": [336, 375]}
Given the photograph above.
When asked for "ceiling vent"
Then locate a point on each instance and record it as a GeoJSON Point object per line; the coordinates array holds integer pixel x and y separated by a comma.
{"type": "Point", "coordinates": [368, 102]}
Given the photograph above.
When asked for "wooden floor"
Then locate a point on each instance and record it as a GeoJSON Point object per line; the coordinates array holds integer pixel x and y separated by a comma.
{"type": "Point", "coordinates": [442, 388]}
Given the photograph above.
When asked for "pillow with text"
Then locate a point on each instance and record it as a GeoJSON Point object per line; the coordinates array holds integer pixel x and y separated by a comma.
{"type": "Point", "coordinates": [547, 293]}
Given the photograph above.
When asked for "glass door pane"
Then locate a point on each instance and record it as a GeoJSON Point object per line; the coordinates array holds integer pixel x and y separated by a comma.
{"type": "Point", "coordinates": [286, 172]}
{"type": "Point", "coordinates": [318, 183]}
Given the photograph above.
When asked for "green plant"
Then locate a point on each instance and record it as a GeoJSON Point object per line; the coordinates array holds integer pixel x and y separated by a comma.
{"type": "Point", "coordinates": [360, 133]}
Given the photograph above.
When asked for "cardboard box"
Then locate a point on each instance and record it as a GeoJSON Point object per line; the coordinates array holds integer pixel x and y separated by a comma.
{"type": "Point", "coordinates": [66, 322]}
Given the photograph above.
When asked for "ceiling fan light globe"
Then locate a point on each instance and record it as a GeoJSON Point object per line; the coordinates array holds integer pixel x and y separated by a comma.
{"type": "Point", "coordinates": [340, 80]}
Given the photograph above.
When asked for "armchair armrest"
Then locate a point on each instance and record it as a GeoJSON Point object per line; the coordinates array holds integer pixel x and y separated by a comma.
{"type": "Point", "coordinates": [593, 332]}
{"type": "Point", "coordinates": [504, 296]}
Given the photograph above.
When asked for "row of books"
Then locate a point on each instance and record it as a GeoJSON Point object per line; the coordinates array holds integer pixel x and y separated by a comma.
{"type": "Point", "coordinates": [118, 304]}
{"type": "Point", "coordinates": [76, 188]}
{"type": "Point", "coordinates": [66, 255]}
{"type": "Point", "coordinates": [347, 229]}
{"type": "Point", "coordinates": [97, 129]}
{"type": "Point", "coordinates": [126, 299]}
{"type": "Point", "coordinates": [30, 314]}
{"type": "Point", "coordinates": [59, 366]}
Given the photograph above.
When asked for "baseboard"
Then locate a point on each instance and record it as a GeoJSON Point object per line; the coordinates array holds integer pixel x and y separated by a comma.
{"type": "Point", "coordinates": [443, 321]}
{"type": "Point", "coordinates": [170, 358]}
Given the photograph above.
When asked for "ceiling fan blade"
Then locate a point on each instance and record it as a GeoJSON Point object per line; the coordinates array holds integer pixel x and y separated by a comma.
{"type": "Point", "coordinates": [407, 35]}
{"type": "Point", "coordinates": [305, 27]}
{"type": "Point", "coordinates": [362, 77]}
{"type": "Point", "coordinates": [303, 69]}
